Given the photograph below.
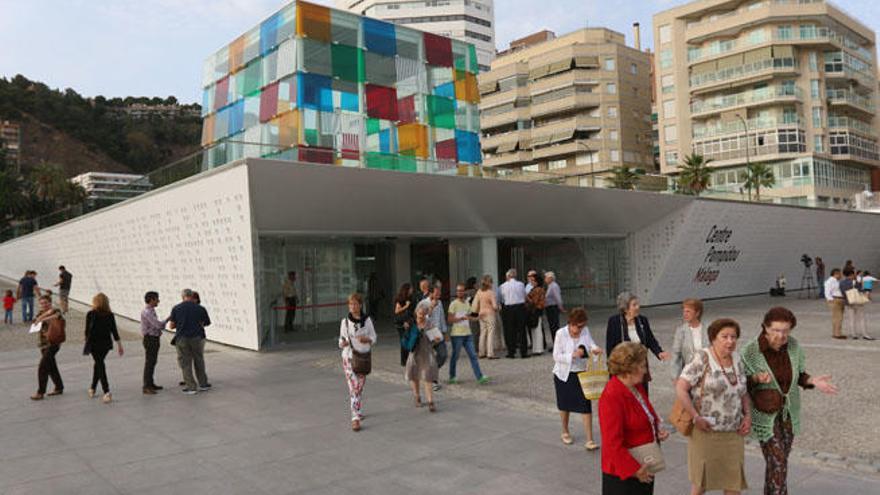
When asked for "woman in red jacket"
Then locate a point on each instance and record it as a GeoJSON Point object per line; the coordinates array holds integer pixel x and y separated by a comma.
{"type": "Point", "coordinates": [627, 420]}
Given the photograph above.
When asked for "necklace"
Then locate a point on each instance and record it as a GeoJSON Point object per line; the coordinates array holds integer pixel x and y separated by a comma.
{"type": "Point", "coordinates": [733, 381]}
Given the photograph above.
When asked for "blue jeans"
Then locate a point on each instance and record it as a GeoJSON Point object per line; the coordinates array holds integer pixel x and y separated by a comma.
{"type": "Point", "coordinates": [27, 308]}
{"type": "Point", "coordinates": [468, 342]}
{"type": "Point", "coordinates": [7, 318]}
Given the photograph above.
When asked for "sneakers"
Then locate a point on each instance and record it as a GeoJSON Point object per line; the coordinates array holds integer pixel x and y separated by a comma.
{"type": "Point", "coordinates": [868, 337]}
{"type": "Point", "coordinates": [149, 391]}
{"type": "Point", "coordinates": [107, 398]}
{"type": "Point", "coordinates": [452, 381]}
{"type": "Point", "coordinates": [57, 391]}
{"type": "Point", "coordinates": [37, 396]}
{"type": "Point", "coordinates": [189, 391]}
{"type": "Point", "coordinates": [484, 380]}
{"type": "Point", "coordinates": [91, 393]}
{"type": "Point", "coordinates": [437, 386]}
{"type": "Point", "coordinates": [205, 387]}
{"type": "Point", "coordinates": [157, 387]}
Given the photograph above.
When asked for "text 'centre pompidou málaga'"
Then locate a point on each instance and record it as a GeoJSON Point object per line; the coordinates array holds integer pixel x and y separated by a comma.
{"type": "Point", "coordinates": [319, 85]}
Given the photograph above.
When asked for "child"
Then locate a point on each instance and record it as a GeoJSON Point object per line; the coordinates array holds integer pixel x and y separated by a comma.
{"type": "Point", "coordinates": [8, 303]}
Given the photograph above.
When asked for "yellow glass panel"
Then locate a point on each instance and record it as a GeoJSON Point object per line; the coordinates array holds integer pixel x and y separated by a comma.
{"type": "Point", "coordinates": [413, 140]}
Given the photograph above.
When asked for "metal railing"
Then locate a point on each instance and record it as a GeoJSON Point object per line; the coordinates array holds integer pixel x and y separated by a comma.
{"type": "Point", "coordinates": [745, 98]}
{"type": "Point", "coordinates": [753, 68]}
{"type": "Point", "coordinates": [850, 97]}
{"type": "Point", "coordinates": [736, 127]}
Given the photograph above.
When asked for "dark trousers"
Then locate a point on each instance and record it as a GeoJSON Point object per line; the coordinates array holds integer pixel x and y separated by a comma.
{"type": "Point", "coordinates": [151, 353]}
{"type": "Point", "coordinates": [552, 313]}
{"type": "Point", "coordinates": [776, 451]}
{"type": "Point", "coordinates": [99, 372]}
{"type": "Point", "coordinates": [404, 354]}
{"type": "Point", "coordinates": [612, 485]}
{"type": "Point", "coordinates": [191, 354]}
{"type": "Point", "coordinates": [49, 368]}
{"type": "Point", "coordinates": [513, 317]}
{"type": "Point", "coordinates": [290, 315]}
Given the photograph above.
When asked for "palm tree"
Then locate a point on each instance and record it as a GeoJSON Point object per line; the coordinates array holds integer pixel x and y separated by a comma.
{"type": "Point", "coordinates": [758, 175]}
{"type": "Point", "coordinates": [624, 178]}
{"type": "Point", "coordinates": [694, 175]}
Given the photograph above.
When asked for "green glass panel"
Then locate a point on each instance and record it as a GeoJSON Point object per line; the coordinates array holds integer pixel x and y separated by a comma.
{"type": "Point", "coordinates": [372, 126]}
{"type": "Point", "coordinates": [253, 77]}
{"type": "Point", "coordinates": [381, 161]}
{"type": "Point", "coordinates": [407, 164]}
{"type": "Point", "coordinates": [472, 60]}
{"type": "Point", "coordinates": [348, 63]}
{"type": "Point", "coordinates": [311, 137]}
{"type": "Point", "coordinates": [441, 112]}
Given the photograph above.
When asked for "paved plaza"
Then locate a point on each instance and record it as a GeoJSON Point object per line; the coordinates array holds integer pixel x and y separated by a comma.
{"type": "Point", "coordinates": [277, 422]}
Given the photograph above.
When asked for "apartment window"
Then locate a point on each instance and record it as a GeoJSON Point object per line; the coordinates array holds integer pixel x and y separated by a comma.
{"type": "Point", "coordinates": [670, 133]}
{"type": "Point", "coordinates": [611, 88]}
{"type": "Point", "coordinates": [808, 31]}
{"type": "Point", "coordinates": [665, 58]}
{"type": "Point", "coordinates": [668, 109]}
{"type": "Point", "coordinates": [530, 168]}
{"type": "Point", "coordinates": [789, 115]}
{"type": "Point", "coordinates": [818, 146]}
{"type": "Point", "coordinates": [633, 69]}
{"type": "Point", "coordinates": [671, 158]}
{"type": "Point", "coordinates": [609, 64]}
{"type": "Point", "coordinates": [783, 32]}
{"type": "Point", "coordinates": [586, 158]}
{"type": "Point", "coordinates": [523, 124]}
{"type": "Point", "coordinates": [613, 135]}
{"type": "Point", "coordinates": [665, 33]}
{"type": "Point", "coordinates": [817, 116]}
{"type": "Point", "coordinates": [814, 61]}
{"type": "Point", "coordinates": [556, 164]}
{"type": "Point", "coordinates": [814, 88]}
{"type": "Point", "coordinates": [615, 156]}
{"type": "Point", "coordinates": [612, 111]}
{"type": "Point", "coordinates": [757, 36]}
{"type": "Point", "coordinates": [667, 84]}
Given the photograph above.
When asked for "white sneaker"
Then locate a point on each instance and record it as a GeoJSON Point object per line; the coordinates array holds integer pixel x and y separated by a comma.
{"type": "Point", "coordinates": [107, 398]}
{"type": "Point", "coordinates": [437, 386]}
{"type": "Point", "coordinates": [91, 393]}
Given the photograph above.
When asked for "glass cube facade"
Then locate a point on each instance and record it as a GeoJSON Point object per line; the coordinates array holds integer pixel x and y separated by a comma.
{"type": "Point", "coordinates": [319, 85]}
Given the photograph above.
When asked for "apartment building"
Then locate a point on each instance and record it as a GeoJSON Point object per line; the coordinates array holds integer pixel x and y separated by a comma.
{"type": "Point", "coordinates": [573, 106]}
{"type": "Point", "coordinates": [10, 143]}
{"type": "Point", "coordinates": [112, 186]}
{"type": "Point", "coordinates": [789, 83]}
{"type": "Point", "coordinates": [471, 21]}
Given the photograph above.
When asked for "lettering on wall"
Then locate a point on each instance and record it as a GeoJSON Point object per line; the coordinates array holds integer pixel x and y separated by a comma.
{"type": "Point", "coordinates": [721, 252]}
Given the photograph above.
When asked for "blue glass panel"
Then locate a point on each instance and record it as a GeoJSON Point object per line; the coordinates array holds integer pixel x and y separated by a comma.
{"type": "Point", "coordinates": [236, 117]}
{"type": "Point", "coordinates": [269, 33]}
{"type": "Point", "coordinates": [379, 37]}
{"type": "Point", "coordinates": [349, 101]}
{"type": "Point", "coordinates": [314, 91]}
{"type": "Point", "coordinates": [446, 90]}
{"type": "Point", "coordinates": [468, 147]}
{"type": "Point", "coordinates": [385, 141]}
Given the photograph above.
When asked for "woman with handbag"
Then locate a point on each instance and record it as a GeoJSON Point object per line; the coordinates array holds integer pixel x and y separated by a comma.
{"type": "Point", "coordinates": [571, 349]}
{"type": "Point", "coordinates": [485, 305]}
{"type": "Point", "coordinates": [690, 336]}
{"type": "Point", "coordinates": [854, 300]}
{"type": "Point", "coordinates": [100, 334]}
{"type": "Point", "coordinates": [535, 299]}
{"type": "Point", "coordinates": [631, 326]}
{"type": "Point", "coordinates": [775, 365]}
{"type": "Point", "coordinates": [404, 311]}
{"type": "Point", "coordinates": [421, 365]}
{"type": "Point", "coordinates": [356, 339]}
{"type": "Point", "coordinates": [721, 412]}
{"type": "Point", "coordinates": [630, 428]}
{"type": "Point", "coordinates": [51, 324]}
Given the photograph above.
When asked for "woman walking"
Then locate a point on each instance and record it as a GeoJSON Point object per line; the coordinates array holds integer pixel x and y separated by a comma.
{"type": "Point", "coordinates": [404, 316]}
{"type": "Point", "coordinates": [690, 336]}
{"type": "Point", "coordinates": [775, 366]}
{"type": "Point", "coordinates": [100, 334]}
{"type": "Point", "coordinates": [627, 420]}
{"type": "Point", "coordinates": [535, 299]}
{"type": "Point", "coordinates": [48, 367]}
{"type": "Point", "coordinates": [486, 307]}
{"type": "Point", "coordinates": [630, 326]}
{"type": "Point", "coordinates": [712, 389]}
{"type": "Point", "coordinates": [421, 364]}
{"type": "Point", "coordinates": [571, 349]}
{"type": "Point", "coordinates": [356, 335]}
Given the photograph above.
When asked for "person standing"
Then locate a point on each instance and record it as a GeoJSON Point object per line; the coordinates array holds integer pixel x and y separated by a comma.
{"type": "Point", "coordinates": [404, 316]}
{"type": "Point", "coordinates": [151, 329]}
{"type": "Point", "coordinates": [486, 307]}
{"type": "Point", "coordinates": [189, 320]}
{"type": "Point", "coordinates": [853, 314]}
{"type": "Point", "coordinates": [836, 302]}
{"type": "Point", "coordinates": [820, 276]}
{"type": "Point", "coordinates": [288, 291]}
{"type": "Point", "coordinates": [470, 290]}
{"type": "Point", "coordinates": [572, 347]}
{"type": "Point", "coordinates": [775, 365]}
{"type": "Point", "coordinates": [690, 336]}
{"type": "Point", "coordinates": [100, 334]}
{"type": "Point", "coordinates": [552, 302]}
{"type": "Point", "coordinates": [513, 315]}
{"type": "Point", "coordinates": [630, 326]}
{"type": "Point", "coordinates": [27, 289]}
{"type": "Point", "coordinates": [437, 319]}
{"type": "Point", "coordinates": [421, 364]}
{"type": "Point", "coordinates": [48, 366]}
{"type": "Point", "coordinates": [8, 304]}
{"type": "Point", "coordinates": [535, 303]}
{"type": "Point", "coordinates": [627, 420]}
{"type": "Point", "coordinates": [356, 334]}
{"type": "Point", "coordinates": [459, 318]}
{"type": "Point", "coordinates": [64, 281]}
{"type": "Point", "coordinates": [723, 415]}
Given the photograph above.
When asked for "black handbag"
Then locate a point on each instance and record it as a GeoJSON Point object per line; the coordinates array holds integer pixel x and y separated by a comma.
{"type": "Point", "coordinates": [361, 362]}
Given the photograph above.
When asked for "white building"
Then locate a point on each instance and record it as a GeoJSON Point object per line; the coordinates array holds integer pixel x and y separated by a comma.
{"type": "Point", "coordinates": [113, 186]}
{"type": "Point", "coordinates": [472, 21]}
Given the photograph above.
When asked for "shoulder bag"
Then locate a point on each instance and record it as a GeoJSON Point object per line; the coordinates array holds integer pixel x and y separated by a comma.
{"type": "Point", "coordinates": [594, 379]}
{"type": "Point", "coordinates": [56, 335]}
{"type": "Point", "coordinates": [649, 454]}
{"type": "Point", "coordinates": [855, 297]}
{"type": "Point", "coordinates": [361, 362]}
{"type": "Point", "coordinates": [680, 417]}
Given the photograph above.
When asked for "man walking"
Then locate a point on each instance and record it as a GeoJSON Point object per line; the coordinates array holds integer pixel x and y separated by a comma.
{"type": "Point", "coordinates": [513, 315]}
{"type": "Point", "coordinates": [835, 301]}
{"type": "Point", "coordinates": [288, 291]}
{"type": "Point", "coordinates": [189, 320]}
{"type": "Point", "coordinates": [63, 284]}
{"type": "Point", "coordinates": [151, 329]}
{"type": "Point", "coordinates": [27, 288]}
{"type": "Point", "coordinates": [552, 305]}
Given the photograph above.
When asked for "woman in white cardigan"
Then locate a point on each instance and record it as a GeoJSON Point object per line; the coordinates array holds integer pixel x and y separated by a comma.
{"type": "Point", "coordinates": [690, 337]}
{"type": "Point", "coordinates": [571, 349]}
{"type": "Point", "coordinates": [355, 331]}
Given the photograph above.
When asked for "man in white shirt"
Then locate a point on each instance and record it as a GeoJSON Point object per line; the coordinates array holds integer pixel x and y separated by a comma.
{"type": "Point", "coordinates": [513, 315]}
{"type": "Point", "coordinates": [836, 303]}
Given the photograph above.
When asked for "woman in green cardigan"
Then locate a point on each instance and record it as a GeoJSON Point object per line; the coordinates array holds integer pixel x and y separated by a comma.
{"type": "Point", "coordinates": [774, 363]}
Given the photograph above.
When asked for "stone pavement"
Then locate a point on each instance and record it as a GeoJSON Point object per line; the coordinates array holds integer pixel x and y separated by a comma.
{"type": "Point", "coordinates": [278, 423]}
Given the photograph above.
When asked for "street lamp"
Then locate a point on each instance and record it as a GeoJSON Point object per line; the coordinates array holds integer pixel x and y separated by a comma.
{"type": "Point", "coordinates": [587, 148]}
{"type": "Point", "coordinates": [746, 127]}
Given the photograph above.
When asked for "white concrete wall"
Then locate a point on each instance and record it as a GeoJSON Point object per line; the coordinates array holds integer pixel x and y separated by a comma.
{"type": "Point", "coordinates": [753, 245]}
{"type": "Point", "coordinates": [194, 234]}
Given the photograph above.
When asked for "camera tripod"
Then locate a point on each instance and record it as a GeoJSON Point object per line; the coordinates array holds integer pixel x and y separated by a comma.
{"type": "Point", "coordinates": [808, 284]}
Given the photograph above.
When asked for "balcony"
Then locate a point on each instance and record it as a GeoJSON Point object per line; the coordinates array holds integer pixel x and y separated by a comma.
{"type": "Point", "coordinates": [576, 77]}
{"type": "Point", "coordinates": [573, 102]}
{"type": "Point", "coordinates": [849, 123]}
{"type": "Point", "coordinates": [733, 21]}
{"type": "Point", "coordinates": [779, 93]}
{"type": "Point", "coordinates": [817, 37]}
{"type": "Point", "coordinates": [736, 127]}
{"type": "Point", "coordinates": [503, 119]}
{"type": "Point", "coordinates": [851, 99]}
{"type": "Point", "coordinates": [845, 72]}
{"type": "Point", "coordinates": [521, 157]}
{"type": "Point", "coordinates": [504, 97]}
{"type": "Point", "coordinates": [506, 141]}
{"type": "Point", "coordinates": [765, 67]}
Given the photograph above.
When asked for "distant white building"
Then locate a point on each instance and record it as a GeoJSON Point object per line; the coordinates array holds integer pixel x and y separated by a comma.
{"type": "Point", "coordinates": [472, 21]}
{"type": "Point", "coordinates": [867, 201]}
{"type": "Point", "coordinates": [112, 186]}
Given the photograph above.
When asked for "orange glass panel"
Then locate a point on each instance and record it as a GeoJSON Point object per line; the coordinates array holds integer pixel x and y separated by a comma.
{"type": "Point", "coordinates": [208, 130]}
{"type": "Point", "coordinates": [413, 140]}
{"type": "Point", "coordinates": [313, 21]}
{"type": "Point", "coordinates": [236, 54]}
{"type": "Point", "coordinates": [466, 87]}
{"type": "Point", "coordinates": [288, 129]}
